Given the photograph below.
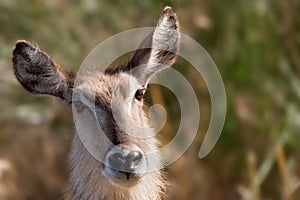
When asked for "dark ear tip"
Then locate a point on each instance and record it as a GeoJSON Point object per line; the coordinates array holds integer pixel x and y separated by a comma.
{"type": "Point", "coordinates": [168, 10]}
{"type": "Point", "coordinates": [22, 49]}
{"type": "Point", "coordinates": [20, 46]}
{"type": "Point", "coordinates": [171, 16]}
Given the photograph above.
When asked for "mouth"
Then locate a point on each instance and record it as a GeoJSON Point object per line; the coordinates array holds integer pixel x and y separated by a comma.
{"type": "Point", "coordinates": [120, 178]}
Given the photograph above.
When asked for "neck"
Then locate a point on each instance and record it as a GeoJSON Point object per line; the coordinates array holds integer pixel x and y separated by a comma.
{"type": "Point", "coordinates": [86, 182]}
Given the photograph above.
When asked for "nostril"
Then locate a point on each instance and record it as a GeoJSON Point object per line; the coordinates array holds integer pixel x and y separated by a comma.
{"type": "Point", "coordinates": [125, 161]}
{"type": "Point", "coordinates": [117, 161]}
{"type": "Point", "coordinates": [133, 160]}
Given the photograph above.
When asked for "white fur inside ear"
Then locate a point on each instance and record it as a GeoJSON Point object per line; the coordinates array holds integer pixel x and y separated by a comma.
{"type": "Point", "coordinates": [165, 39]}
{"type": "Point", "coordinates": [166, 34]}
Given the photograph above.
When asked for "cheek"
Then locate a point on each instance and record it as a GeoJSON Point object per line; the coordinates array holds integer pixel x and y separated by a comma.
{"type": "Point", "coordinates": [91, 132]}
{"type": "Point", "coordinates": [137, 113]}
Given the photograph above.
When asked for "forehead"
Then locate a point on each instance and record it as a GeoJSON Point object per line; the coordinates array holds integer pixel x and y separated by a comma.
{"type": "Point", "coordinates": [101, 88]}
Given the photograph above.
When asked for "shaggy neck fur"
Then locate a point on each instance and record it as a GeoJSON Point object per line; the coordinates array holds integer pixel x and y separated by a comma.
{"type": "Point", "coordinates": [86, 181]}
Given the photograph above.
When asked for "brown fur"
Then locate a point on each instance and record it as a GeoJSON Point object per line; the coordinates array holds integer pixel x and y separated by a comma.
{"type": "Point", "coordinates": [107, 99]}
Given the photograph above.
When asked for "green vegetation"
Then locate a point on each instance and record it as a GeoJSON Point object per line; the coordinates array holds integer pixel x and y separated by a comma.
{"type": "Point", "coordinates": [256, 46]}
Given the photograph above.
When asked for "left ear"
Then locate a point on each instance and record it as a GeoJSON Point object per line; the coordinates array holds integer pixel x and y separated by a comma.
{"type": "Point", "coordinates": [39, 74]}
{"type": "Point", "coordinates": [157, 51]}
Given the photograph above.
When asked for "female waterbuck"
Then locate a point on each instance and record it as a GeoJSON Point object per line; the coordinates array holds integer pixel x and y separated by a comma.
{"type": "Point", "coordinates": [122, 168]}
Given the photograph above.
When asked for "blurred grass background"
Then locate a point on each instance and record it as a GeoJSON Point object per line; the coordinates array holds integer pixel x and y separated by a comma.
{"type": "Point", "coordinates": [256, 46]}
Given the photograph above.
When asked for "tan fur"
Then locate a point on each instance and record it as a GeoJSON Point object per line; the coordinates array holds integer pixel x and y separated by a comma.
{"type": "Point", "coordinates": [107, 99]}
{"type": "Point", "coordinates": [90, 183]}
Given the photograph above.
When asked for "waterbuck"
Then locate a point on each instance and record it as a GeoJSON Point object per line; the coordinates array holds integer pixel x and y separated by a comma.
{"type": "Point", "coordinates": [122, 168]}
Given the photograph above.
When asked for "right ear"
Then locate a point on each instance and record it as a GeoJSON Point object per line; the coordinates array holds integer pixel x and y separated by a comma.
{"type": "Point", "coordinates": [38, 74]}
{"type": "Point", "coordinates": [157, 51]}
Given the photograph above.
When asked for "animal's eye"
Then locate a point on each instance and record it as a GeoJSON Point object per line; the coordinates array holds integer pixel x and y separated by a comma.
{"type": "Point", "coordinates": [139, 94]}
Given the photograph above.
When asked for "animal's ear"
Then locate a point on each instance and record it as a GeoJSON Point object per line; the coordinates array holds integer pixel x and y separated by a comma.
{"type": "Point", "coordinates": [158, 50]}
{"type": "Point", "coordinates": [38, 74]}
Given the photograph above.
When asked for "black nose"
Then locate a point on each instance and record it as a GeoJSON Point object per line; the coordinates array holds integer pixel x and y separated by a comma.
{"type": "Point", "coordinates": [125, 162]}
